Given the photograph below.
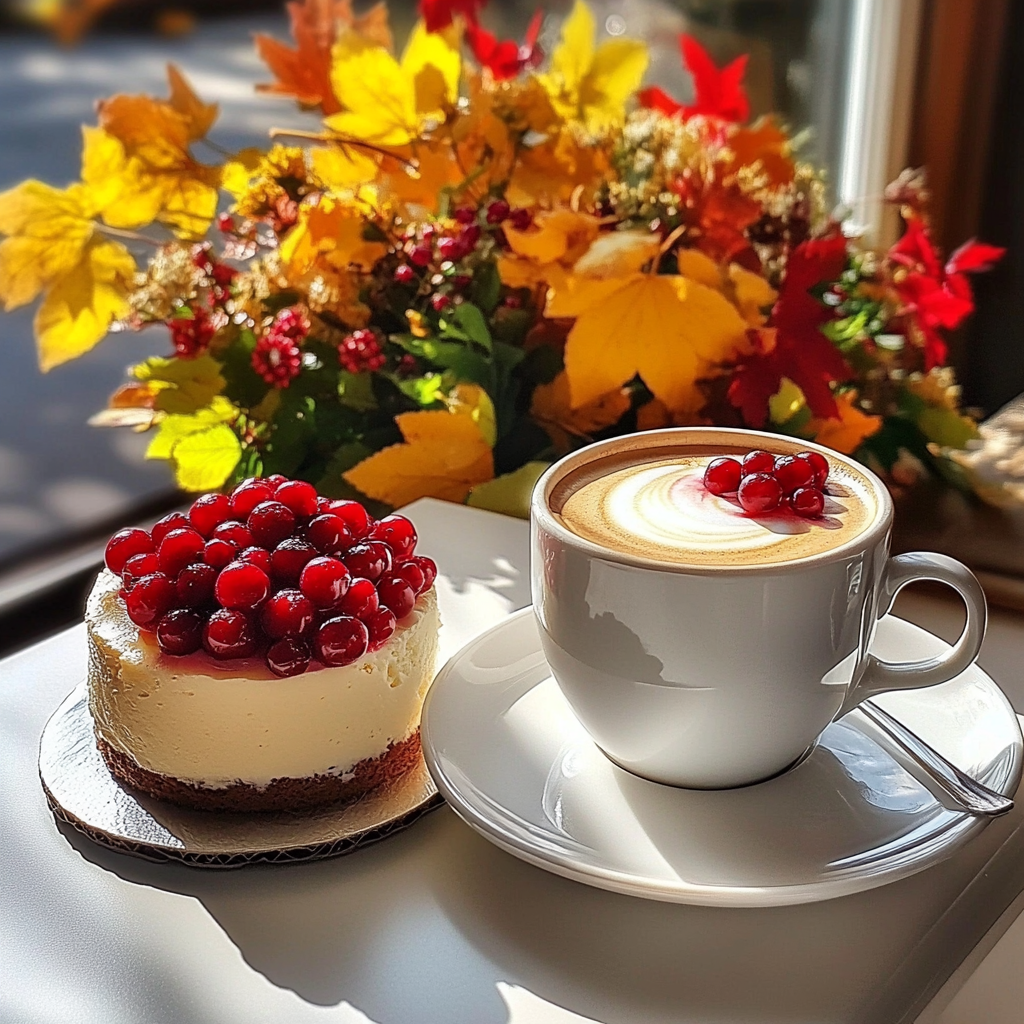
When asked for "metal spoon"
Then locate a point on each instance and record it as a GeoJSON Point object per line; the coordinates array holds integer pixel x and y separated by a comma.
{"type": "Point", "coordinates": [971, 795]}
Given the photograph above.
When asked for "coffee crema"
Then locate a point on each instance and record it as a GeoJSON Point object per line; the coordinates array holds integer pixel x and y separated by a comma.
{"type": "Point", "coordinates": [657, 507]}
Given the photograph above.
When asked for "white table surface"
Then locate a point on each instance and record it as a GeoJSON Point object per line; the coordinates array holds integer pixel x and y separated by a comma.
{"type": "Point", "coordinates": [436, 926]}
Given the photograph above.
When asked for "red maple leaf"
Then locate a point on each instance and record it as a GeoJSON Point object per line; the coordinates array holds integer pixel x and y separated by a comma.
{"type": "Point", "coordinates": [718, 92]}
{"type": "Point", "coordinates": [439, 14]}
{"type": "Point", "coordinates": [506, 58]}
{"type": "Point", "coordinates": [793, 345]}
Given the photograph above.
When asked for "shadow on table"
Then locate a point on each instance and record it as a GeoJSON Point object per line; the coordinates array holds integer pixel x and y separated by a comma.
{"type": "Point", "coordinates": [424, 927]}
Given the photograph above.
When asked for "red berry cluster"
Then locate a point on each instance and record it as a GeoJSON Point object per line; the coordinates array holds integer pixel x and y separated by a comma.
{"type": "Point", "coordinates": [190, 336]}
{"type": "Point", "coordinates": [763, 482]}
{"type": "Point", "coordinates": [277, 357]}
{"type": "Point", "coordinates": [361, 351]}
{"type": "Point", "coordinates": [271, 569]}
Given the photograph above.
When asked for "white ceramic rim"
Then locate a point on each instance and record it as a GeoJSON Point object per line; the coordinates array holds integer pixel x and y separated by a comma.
{"type": "Point", "coordinates": [779, 444]}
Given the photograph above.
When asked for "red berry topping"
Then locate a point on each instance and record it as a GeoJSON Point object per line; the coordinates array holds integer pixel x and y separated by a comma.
{"type": "Point", "coordinates": [256, 556]}
{"type": "Point", "coordinates": [354, 516]}
{"type": "Point", "coordinates": [396, 594]}
{"type": "Point", "coordinates": [723, 476]}
{"type": "Point", "coordinates": [138, 566]}
{"type": "Point", "coordinates": [288, 657]}
{"type": "Point", "coordinates": [162, 527]}
{"type": "Point", "coordinates": [329, 534]}
{"type": "Point", "coordinates": [793, 472]}
{"type": "Point", "coordinates": [287, 613]}
{"type": "Point", "coordinates": [360, 599]}
{"type": "Point", "coordinates": [413, 575]}
{"type": "Point", "coordinates": [275, 480]}
{"type": "Point", "coordinates": [808, 502]}
{"type": "Point", "coordinates": [248, 494]}
{"type": "Point", "coordinates": [429, 567]}
{"type": "Point", "coordinates": [380, 625]}
{"type": "Point", "coordinates": [325, 581]}
{"type": "Point", "coordinates": [758, 462]}
{"type": "Point", "coordinates": [229, 634]}
{"type": "Point", "coordinates": [148, 598]}
{"type": "Point", "coordinates": [759, 492]}
{"type": "Point", "coordinates": [370, 560]}
{"type": "Point", "coordinates": [242, 586]}
{"type": "Point", "coordinates": [180, 632]}
{"type": "Point", "coordinates": [398, 533]}
{"type": "Point", "coordinates": [194, 585]}
{"type": "Point", "coordinates": [361, 351]}
{"type": "Point", "coordinates": [219, 552]}
{"type": "Point", "coordinates": [341, 641]}
{"type": "Point", "coordinates": [299, 496]}
{"type": "Point", "coordinates": [288, 558]}
{"type": "Point", "coordinates": [820, 466]}
{"type": "Point", "coordinates": [124, 545]}
{"type": "Point", "coordinates": [234, 533]}
{"type": "Point", "coordinates": [497, 211]}
{"type": "Point", "coordinates": [270, 522]}
{"type": "Point", "coordinates": [208, 512]}
{"type": "Point", "coordinates": [404, 274]}
{"type": "Point", "coordinates": [178, 549]}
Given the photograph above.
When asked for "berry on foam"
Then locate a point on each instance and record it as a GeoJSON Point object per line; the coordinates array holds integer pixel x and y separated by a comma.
{"type": "Point", "coordinates": [763, 482]}
{"type": "Point", "coordinates": [272, 569]}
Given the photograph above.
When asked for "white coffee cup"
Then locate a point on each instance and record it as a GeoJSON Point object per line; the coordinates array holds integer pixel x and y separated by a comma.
{"type": "Point", "coordinates": [718, 676]}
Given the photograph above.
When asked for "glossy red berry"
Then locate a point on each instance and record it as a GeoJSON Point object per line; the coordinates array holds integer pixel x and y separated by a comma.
{"type": "Point", "coordinates": [277, 358]}
{"type": "Point", "coordinates": [256, 556]}
{"type": "Point", "coordinates": [208, 512]}
{"type": "Point", "coordinates": [247, 495]}
{"type": "Point", "coordinates": [138, 566]}
{"type": "Point", "coordinates": [341, 640]}
{"type": "Point", "coordinates": [324, 581]}
{"type": "Point", "coordinates": [395, 593]}
{"type": "Point", "coordinates": [354, 516]}
{"type": "Point", "coordinates": [793, 472]}
{"type": "Point", "coordinates": [361, 351]}
{"type": "Point", "coordinates": [759, 492]}
{"type": "Point", "coordinates": [398, 533]}
{"type": "Point", "coordinates": [521, 218]}
{"type": "Point", "coordinates": [149, 598]}
{"type": "Point", "coordinates": [758, 461]}
{"type": "Point", "coordinates": [440, 301]}
{"type": "Point", "coordinates": [497, 211]}
{"type": "Point", "coordinates": [288, 559]}
{"type": "Point", "coordinates": [178, 549]}
{"type": "Point", "coordinates": [723, 476]}
{"type": "Point", "coordinates": [469, 236]}
{"type": "Point", "coordinates": [180, 632]}
{"type": "Point", "coordinates": [371, 559]}
{"type": "Point", "coordinates": [275, 479]}
{"type": "Point", "coordinates": [287, 613]}
{"type": "Point", "coordinates": [234, 533]}
{"type": "Point", "coordinates": [329, 534]}
{"type": "Point", "coordinates": [465, 214]}
{"type": "Point", "coordinates": [808, 502]}
{"type": "Point", "coordinates": [298, 496]}
{"type": "Point", "coordinates": [219, 552]}
{"type": "Point", "coordinates": [404, 274]}
{"type": "Point", "coordinates": [228, 633]}
{"type": "Point", "coordinates": [270, 522]}
{"type": "Point", "coordinates": [413, 575]}
{"type": "Point", "coordinates": [360, 599]}
{"type": "Point", "coordinates": [381, 626]}
{"type": "Point", "coordinates": [288, 657]}
{"type": "Point", "coordinates": [820, 466]}
{"type": "Point", "coordinates": [126, 544]}
{"type": "Point", "coordinates": [421, 255]}
{"type": "Point", "coordinates": [242, 586]}
{"type": "Point", "coordinates": [162, 527]}
{"type": "Point", "coordinates": [429, 569]}
{"type": "Point", "coordinates": [194, 585]}
{"type": "Point", "coordinates": [225, 223]}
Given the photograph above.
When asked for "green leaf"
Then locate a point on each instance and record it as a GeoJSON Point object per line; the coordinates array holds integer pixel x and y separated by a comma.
{"type": "Point", "coordinates": [356, 391]}
{"type": "Point", "coordinates": [467, 323]}
{"type": "Point", "coordinates": [293, 434]}
{"type": "Point", "coordinates": [947, 427]}
{"type": "Point", "coordinates": [508, 494]}
{"type": "Point", "coordinates": [244, 385]}
{"type": "Point", "coordinates": [173, 428]}
{"type": "Point", "coordinates": [203, 461]}
{"type": "Point", "coordinates": [185, 384]}
{"type": "Point", "coordinates": [486, 287]}
{"type": "Point", "coordinates": [422, 390]}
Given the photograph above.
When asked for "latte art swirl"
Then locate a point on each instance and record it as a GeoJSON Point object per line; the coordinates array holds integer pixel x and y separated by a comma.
{"type": "Point", "coordinates": [662, 510]}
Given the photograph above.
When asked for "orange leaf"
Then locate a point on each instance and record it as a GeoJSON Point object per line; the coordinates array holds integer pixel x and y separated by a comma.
{"type": "Point", "coordinates": [551, 409]}
{"type": "Point", "coordinates": [764, 141]}
{"type": "Point", "coordinates": [847, 433]}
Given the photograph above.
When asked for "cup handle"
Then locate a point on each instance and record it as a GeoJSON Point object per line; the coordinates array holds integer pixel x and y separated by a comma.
{"type": "Point", "coordinates": [880, 676]}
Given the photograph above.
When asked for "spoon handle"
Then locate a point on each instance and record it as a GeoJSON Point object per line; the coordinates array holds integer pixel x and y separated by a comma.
{"type": "Point", "coordinates": [970, 794]}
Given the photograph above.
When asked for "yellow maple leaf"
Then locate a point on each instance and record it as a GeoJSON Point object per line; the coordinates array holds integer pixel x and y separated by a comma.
{"type": "Point", "coordinates": [555, 241]}
{"type": "Point", "coordinates": [330, 230]}
{"type": "Point", "coordinates": [388, 102]}
{"type": "Point", "coordinates": [552, 410]}
{"type": "Point", "coordinates": [750, 293]}
{"type": "Point", "coordinates": [446, 453]}
{"type": "Point", "coordinates": [342, 168]}
{"type": "Point", "coordinates": [592, 84]}
{"type": "Point", "coordinates": [551, 171]}
{"type": "Point", "coordinates": [848, 432]}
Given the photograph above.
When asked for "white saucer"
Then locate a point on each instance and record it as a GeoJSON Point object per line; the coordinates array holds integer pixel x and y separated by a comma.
{"type": "Point", "coordinates": [509, 756]}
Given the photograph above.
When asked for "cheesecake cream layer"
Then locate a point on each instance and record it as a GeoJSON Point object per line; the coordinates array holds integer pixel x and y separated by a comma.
{"type": "Point", "coordinates": [216, 724]}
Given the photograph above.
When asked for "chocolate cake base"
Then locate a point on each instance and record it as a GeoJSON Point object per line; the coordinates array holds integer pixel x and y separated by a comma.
{"type": "Point", "coordinates": [279, 795]}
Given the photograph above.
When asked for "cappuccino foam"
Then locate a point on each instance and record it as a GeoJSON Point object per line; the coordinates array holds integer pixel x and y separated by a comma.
{"type": "Point", "coordinates": [659, 509]}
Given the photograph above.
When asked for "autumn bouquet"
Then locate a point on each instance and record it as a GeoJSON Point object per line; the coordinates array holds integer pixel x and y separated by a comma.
{"type": "Point", "coordinates": [474, 257]}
